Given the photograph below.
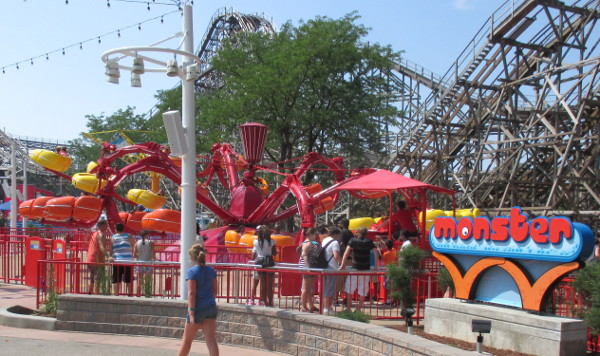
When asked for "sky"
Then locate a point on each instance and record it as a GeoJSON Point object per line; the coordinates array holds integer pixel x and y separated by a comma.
{"type": "Point", "coordinates": [50, 98]}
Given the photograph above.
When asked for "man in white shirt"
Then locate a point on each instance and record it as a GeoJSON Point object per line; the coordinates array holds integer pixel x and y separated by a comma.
{"type": "Point", "coordinates": [405, 241]}
{"type": "Point", "coordinates": [334, 257]}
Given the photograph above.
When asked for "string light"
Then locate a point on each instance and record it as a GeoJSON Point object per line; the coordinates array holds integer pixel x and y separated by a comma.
{"type": "Point", "coordinates": [80, 43]}
{"type": "Point", "coordinates": [107, 3]}
{"type": "Point", "coordinates": [148, 6]}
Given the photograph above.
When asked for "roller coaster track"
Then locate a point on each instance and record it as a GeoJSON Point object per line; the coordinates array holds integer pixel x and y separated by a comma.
{"type": "Point", "coordinates": [21, 147]}
{"type": "Point", "coordinates": [224, 23]}
{"type": "Point", "coordinates": [516, 119]}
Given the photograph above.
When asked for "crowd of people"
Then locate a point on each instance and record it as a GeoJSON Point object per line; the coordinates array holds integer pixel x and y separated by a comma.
{"type": "Point", "coordinates": [337, 246]}
{"type": "Point", "coordinates": [341, 250]}
{"type": "Point", "coordinates": [119, 247]}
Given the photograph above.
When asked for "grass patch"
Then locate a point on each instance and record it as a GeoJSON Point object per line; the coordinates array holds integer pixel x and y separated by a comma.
{"type": "Point", "coordinates": [356, 316]}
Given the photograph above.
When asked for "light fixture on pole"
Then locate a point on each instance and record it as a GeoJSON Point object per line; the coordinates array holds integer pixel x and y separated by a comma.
{"type": "Point", "coordinates": [172, 68]}
{"type": "Point", "coordinates": [112, 69]}
{"type": "Point", "coordinates": [112, 80]}
{"type": "Point", "coordinates": [192, 72]}
{"type": "Point", "coordinates": [136, 81]}
{"type": "Point", "coordinates": [188, 123]}
{"type": "Point", "coordinates": [138, 65]}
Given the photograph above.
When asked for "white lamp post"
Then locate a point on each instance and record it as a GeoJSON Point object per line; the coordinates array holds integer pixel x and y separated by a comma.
{"type": "Point", "coordinates": [188, 166]}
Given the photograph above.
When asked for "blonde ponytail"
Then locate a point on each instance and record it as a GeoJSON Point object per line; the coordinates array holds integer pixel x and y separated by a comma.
{"type": "Point", "coordinates": [198, 254]}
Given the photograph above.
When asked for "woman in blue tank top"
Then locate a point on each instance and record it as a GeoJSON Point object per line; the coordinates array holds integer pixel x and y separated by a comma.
{"type": "Point", "coordinates": [202, 306]}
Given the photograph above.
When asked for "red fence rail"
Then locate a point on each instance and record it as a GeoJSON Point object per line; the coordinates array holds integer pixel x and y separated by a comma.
{"type": "Point", "coordinates": [235, 273]}
{"type": "Point", "coordinates": [234, 284]}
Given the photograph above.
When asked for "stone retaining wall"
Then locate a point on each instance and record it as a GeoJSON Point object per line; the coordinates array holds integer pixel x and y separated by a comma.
{"type": "Point", "coordinates": [512, 329]}
{"type": "Point", "coordinates": [279, 330]}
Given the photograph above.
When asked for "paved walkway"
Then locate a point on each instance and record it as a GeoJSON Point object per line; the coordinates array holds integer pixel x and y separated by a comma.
{"type": "Point", "coordinates": [17, 341]}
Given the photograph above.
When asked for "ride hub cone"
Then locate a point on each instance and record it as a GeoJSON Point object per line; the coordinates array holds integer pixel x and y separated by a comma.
{"type": "Point", "coordinates": [254, 136]}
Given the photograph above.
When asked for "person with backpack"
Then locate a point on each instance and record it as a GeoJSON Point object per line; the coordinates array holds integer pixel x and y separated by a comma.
{"type": "Point", "coordinates": [331, 252]}
{"type": "Point", "coordinates": [308, 247]}
{"type": "Point", "coordinates": [360, 248]}
{"type": "Point", "coordinates": [264, 246]}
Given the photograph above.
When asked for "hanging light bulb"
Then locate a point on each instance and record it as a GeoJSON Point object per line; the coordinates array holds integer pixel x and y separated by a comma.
{"type": "Point", "coordinates": [107, 3]}
{"type": "Point", "coordinates": [63, 51]}
{"type": "Point", "coordinates": [17, 65]}
{"type": "Point", "coordinates": [47, 58]}
{"type": "Point", "coordinates": [148, 6]}
{"type": "Point", "coordinates": [139, 26]}
{"type": "Point", "coordinates": [136, 81]}
{"type": "Point", "coordinates": [3, 71]}
{"type": "Point", "coordinates": [80, 45]}
{"type": "Point", "coordinates": [138, 65]}
{"type": "Point", "coordinates": [119, 33]}
{"type": "Point", "coordinates": [31, 61]}
{"type": "Point", "coordinates": [112, 68]}
{"type": "Point", "coordinates": [99, 40]}
{"type": "Point", "coordinates": [162, 20]}
{"type": "Point", "coordinates": [172, 69]}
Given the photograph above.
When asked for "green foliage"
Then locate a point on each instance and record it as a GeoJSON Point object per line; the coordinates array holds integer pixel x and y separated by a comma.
{"type": "Point", "coordinates": [106, 129]}
{"type": "Point", "coordinates": [356, 316]}
{"type": "Point", "coordinates": [319, 87]}
{"type": "Point", "coordinates": [51, 304]}
{"type": "Point", "coordinates": [410, 258]}
{"type": "Point", "coordinates": [148, 286]}
{"type": "Point", "coordinates": [400, 284]}
{"type": "Point", "coordinates": [401, 275]}
{"type": "Point", "coordinates": [587, 283]}
{"type": "Point", "coordinates": [104, 281]}
{"type": "Point", "coordinates": [444, 279]}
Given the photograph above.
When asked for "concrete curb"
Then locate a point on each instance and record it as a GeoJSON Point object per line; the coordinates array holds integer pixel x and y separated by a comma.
{"type": "Point", "coordinates": [14, 317]}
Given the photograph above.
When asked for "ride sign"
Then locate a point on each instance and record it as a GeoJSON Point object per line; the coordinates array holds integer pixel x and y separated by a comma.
{"type": "Point", "coordinates": [509, 260]}
{"type": "Point", "coordinates": [513, 236]}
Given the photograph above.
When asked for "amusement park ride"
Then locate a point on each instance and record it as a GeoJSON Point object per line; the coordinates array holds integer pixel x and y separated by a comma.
{"type": "Point", "coordinates": [251, 202]}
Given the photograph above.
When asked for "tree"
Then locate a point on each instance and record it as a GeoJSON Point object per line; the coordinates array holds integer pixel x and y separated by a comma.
{"type": "Point", "coordinates": [106, 129]}
{"type": "Point", "coordinates": [121, 125]}
{"type": "Point", "coordinates": [587, 283]}
{"type": "Point", "coordinates": [318, 87]}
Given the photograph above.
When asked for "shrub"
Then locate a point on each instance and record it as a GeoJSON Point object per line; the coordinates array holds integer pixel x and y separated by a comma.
{"type": "Point", "coordinates": [444, 280]}
{"type": "Point", "coordinates": [51, 304]}
{"type": "Point", "coordinates": [402, 274]}
{"type": "Point", "coordinates": [410, 259]}
{"type": "Point", "coordinates": [356, 316]}
{"type": "Point", "coordinates": [587, 283]}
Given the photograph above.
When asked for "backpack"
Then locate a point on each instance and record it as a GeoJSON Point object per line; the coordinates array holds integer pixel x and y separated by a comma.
{"type": "Point", "coordinates": [316, 256]}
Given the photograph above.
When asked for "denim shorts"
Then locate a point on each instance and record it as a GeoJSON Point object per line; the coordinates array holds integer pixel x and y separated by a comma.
{"type": "Point", "coordinates": [210, 312]}
{"type": "Point", "coordinates": [329, 286]}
